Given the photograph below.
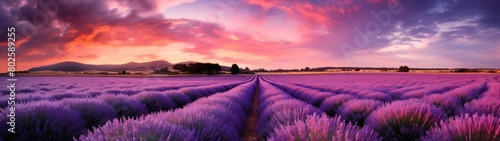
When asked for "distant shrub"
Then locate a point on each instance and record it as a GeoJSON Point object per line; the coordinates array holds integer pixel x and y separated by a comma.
{"type": "Point", "coordinates": [94, 111]}
{"type": "Point", "coordinates": [148, 128]}
{"type": "Point", "coordinates": [483, 106]}
{"type": "Point", "coordinates": [322, 128]}
{"type": "Point", "coordinates": [330, 104]}
{"type": "Point", "coordinates": [42, 120]}
{"type": "Point", "coordinates": [404, 120]}
{"type": "Point", "coordinates": [155, 101]}
{"type": "Point", "coordinates": [356, 111]}
{"type": "Point", "coordinates": [450, 105]}
{"type": "Point", "coordinates": [124, 105]}
{"type": "Point", "coordinates": [466, 128]}
{"type": "Point", "coordinates": [178, 97]}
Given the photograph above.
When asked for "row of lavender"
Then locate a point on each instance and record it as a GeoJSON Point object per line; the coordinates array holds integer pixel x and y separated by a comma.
{"type": "Point", "coordinates": [283, 118]}
{"type": "Point", "coordinates": [39, 120]}
{"type": "Point", "coordinates": [410, 118]}
{"type": "Point", "coordinates": [57, 88]}
{"type": "Point", "coordinates": [218, 117]}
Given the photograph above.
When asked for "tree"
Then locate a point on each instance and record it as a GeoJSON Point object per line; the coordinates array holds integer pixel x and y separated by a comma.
{"type": "Point", "coordinates": [161, 71]}
{"type": "Point", "coordinates": [307, 69]}
{"type": "Point", "coordinates": [404, 69]}
{"type": "Point", "coordinates": [124, 72]}
{"type": "Point", "coordinates": [204, 68]}
{"type": "Point", "coordinates": [247, 69]}
{"type": "Point", "coordinates": [235, 69]}
{"type": "Point", "coordinates": [181, 67]}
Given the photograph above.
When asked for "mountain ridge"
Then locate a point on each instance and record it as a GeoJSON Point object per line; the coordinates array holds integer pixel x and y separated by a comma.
{"type": "Point", "coordinates": [72, 66]}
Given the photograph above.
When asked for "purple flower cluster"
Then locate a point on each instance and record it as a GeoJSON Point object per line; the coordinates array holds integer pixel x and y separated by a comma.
{"type": "Point", "coordinates": [466, 128]}
{"type": "Point", "coordinates": [281, 111]}
{"type": "Point", "coordinates": [450, 105]}
{"type": "Point", "coordinates": [356, 111]}
{"type": "Point", "coordinates": [322, 128]}
{"type": "Point", "coordinates": [404, 120]}
{"type": "Point", "coordinates": [155, 101]}
{"type": "Point", "coordinates": [95, 112]}
{"type": "Point", "coordinates": [331, 104]}
{"type": "Point", "coordinates": [42, 120]}
{"type": "Point", "coordinates": [203, 91]}
{"type": "Point", "coordinates": [469, 92]}
{"type": "Point", "coordinates": [483, 106]}
{"type": "Point", "coordinates": [124, 105]}
{"type": "Point", "coordinates": [147, 128]}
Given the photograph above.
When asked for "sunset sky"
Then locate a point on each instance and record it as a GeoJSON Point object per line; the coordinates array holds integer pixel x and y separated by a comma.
{"type": "Point", "coordinates": [267, 34]}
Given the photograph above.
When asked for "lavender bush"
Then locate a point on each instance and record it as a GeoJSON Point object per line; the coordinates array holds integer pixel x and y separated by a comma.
{"type": "Point", "coordinates": [450, 105]}
{"type": "Point", "coordinates": [483, 106]}
{"type": "Point", "coordinates": [155, 101]}
{"type": "Point", "coordinates": [469, 92]}
{"type": "Point", "coordinates": [322, 128]}
{"type": "Point", "coordinates": [124, 105]}
{"type": "Point", "coordinates": [330, 104]}
{"type": "Point", "coordinates": [466, 128]}
{"type": "Point", "coordinates": [356, 111]}
{"type": "Point", "coordinates": [95, 112]}
{"type": "Point", "coordinates": [148, 128]}
{"type": "Point", "coordinates": [42, 120]}
{"type": "Point", "coordinates": [178, 97]}
{"type": "Point", "coordinates": [283, 113]}
{"type": "Point", "coordinates": [404, 120]}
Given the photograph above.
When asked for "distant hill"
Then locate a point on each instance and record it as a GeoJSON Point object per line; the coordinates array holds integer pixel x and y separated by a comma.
{"type": "Point", "coordinates": [131, 66]}
{"type": "Point", "coordinates": [76, 66]}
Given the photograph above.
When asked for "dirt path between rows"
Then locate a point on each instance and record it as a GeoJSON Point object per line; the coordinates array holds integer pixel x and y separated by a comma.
{"type": "Point", "coordinates": [250, 132]}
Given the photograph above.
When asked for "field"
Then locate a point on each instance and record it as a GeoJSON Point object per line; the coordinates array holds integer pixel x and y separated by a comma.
{"type": "Point", "coordinates": [343, 106]}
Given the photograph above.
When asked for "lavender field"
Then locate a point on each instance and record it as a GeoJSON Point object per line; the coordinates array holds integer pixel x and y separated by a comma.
{"type": "Point", "coordinates": [363, 107]}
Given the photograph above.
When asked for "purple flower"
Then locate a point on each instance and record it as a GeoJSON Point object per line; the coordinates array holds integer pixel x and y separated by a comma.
{"type": "Point", "coordinates": [356, 111]}
{"type": "Point", "coordinates": [466, 127]}
{"type": "Point", "coordinates": [404, 120]}
{"type": "Point", "coordinates": [322, 128]}
{"type": "Point", "coordinates": [469, 92]}
{"type": "Point", "coordinates": [124, 105]}
{"type": "Point", "coordinates": [493, 90]}
{"type": "Point", "coordinates": [148, 128]}
{"type": "Point", "coordinates": [449, 104]}
{"type": "Point", "coordinates": [155, 101]}
{"type": "Point", "coordinates": [318, 98]}
{"type": "Point", "coordinates": [483, 106]}
{"type": "Point", "coordinates": [374, 95]}
{"type": "Point", "coordinates": [330, 104]}
{"type": "Point", "coordinates": [283, 113]}
{"type": "Point", "coordinates": [94, 111]}
{"type": "Point", "coordinates": [178, 97]}
{"type": "Point", "coordinates": [42, 120]}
